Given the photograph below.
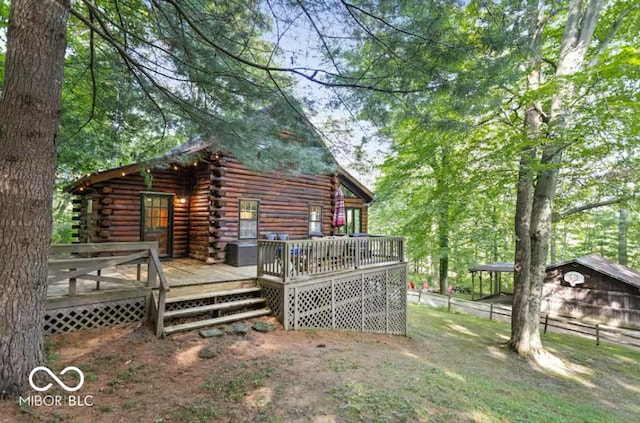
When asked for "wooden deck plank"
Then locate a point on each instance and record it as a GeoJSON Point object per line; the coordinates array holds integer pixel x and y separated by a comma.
{"type": "Point", "coordinates": [216, 321]}
{"type": "Point", "coordinates": [189, 271]}
{"type": "Point", "coordinates": [205, 291]}
{"type": "Point", "coordinates": [213, 307]}
{"type": "Point", "coordinates": [179, 273]}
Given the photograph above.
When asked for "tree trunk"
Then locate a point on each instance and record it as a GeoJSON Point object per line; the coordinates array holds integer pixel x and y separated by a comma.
{"type": "Point", "coordinates": [443, 252]}
{"type": "Point", "coordinates": [30, 109]}
{"type": "Point", "coordinates": [520, 324]}
{"type": "Point", "coordinates": [623, 219]}
{"type": "Point", "coordinates": [534, 248]}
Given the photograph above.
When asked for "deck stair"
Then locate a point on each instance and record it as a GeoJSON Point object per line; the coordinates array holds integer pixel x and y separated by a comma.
{"type": "Point", "coordinates": [199, 306]}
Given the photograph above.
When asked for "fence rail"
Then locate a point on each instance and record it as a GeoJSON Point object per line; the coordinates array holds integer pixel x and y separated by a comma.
{"type": "Point", "coordinates": [71, 262]}
{"type": "Point", "coordinates": [548, 322]}
{"type": "Point", "coordinates": [294, 260]}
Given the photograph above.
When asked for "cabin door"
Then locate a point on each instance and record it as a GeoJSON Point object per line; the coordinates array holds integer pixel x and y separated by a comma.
{"type": "Point", "coordinates": [156, 223]}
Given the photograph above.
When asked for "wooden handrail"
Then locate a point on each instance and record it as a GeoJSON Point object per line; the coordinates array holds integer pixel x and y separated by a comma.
{"type": "Point", "coordinates": [76, 261]}
{"type": "Point", "coordinates": [295, 259]}
{"type": "Point", "coordinates": [162, 291]}
{"type": "Point", "coordinates": [101, 247]}
{"type": "Point", "coordinates": [164, 285]}
{"type": "Point", "coordinates": [93, 265]}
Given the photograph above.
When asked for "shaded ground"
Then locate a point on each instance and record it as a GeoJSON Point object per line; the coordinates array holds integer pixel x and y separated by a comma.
{"type": "Point", "coordinates": [452, 368]}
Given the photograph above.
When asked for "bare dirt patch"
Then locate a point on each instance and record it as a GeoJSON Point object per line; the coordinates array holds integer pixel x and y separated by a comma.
{"type": "Point", "coordinates": [452, 368]}
{"type": "Point", "coordinates": [275, 376]}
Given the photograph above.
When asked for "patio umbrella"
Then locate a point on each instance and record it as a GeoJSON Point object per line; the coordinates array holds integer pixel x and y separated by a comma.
{"type": "Point", "coordinates": [338, 211]}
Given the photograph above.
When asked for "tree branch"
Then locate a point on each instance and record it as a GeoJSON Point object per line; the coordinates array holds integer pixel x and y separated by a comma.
{"type": "Point", "coordinates": [350, 82]}
{"type": "Point", "coordinates": [612, 33]}
{"type": "Point", "coordinates": [559, 216]}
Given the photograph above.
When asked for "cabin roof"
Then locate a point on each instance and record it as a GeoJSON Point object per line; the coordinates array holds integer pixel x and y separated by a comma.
{"type": "Point", "coordinates": [606, 267]}
{"type": "Point", "coordinates": [197, 145]}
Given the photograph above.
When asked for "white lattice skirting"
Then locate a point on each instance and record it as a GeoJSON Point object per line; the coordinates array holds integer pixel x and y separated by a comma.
{"type": "Point", "coordinates": [94, 315]}
{"type": "Point", "coordinates": [367, 300]}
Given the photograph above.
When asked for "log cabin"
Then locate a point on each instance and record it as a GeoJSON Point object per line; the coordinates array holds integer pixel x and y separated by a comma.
{"type": "Point", "coordinates": [203, 208]}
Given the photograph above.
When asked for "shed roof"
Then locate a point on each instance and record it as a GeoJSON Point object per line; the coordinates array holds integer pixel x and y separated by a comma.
{"type": "Point", "coordinates": [605, 266]}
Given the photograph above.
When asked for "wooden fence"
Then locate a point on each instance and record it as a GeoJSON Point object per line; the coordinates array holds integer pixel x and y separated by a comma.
{"type": "Point", "coordinates": [556, 323]}
{"type": "Point", "coordinates": [300, 259]}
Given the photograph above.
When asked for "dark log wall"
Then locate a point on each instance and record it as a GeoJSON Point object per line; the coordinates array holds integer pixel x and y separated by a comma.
{"type": "Point", "coordinates": [208, 219]}
{"type": "Point", "coordinates": [84, 217]}
{"type": "Point", "coordinates": [593, 280]}
{"type": "Point", "coordinates": [284, 202]}
{"type": "Point", "coordinates": [116, 208]}
{"type": "Point", "coordinates": [199, 214]}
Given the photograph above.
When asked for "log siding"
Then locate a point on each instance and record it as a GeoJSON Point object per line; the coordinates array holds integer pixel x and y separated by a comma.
{"type": "Point", "coordinates": [208, 219]}
{"type": "Point", "coordinates": [116, 208]}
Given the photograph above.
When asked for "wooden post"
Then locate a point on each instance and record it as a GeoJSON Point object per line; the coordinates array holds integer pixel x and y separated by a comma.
{"type": "Point", "coordinates": [333, 304]}
{"type": "Point", "coordinates": [546, 323]}
{"type": "Point", "coordinates": [138, 272]}
{"type": "Point", "coordinates": [491, 311]}
{"type": "Point", "coordinates": [260, 270]}
{"type": "Point", "coordinates": [286, 265]}
{"type": "Point", "coordinates": [473, 285]}
{"type": "Point", "coordinates": [597, 334]}
{"type": "Point", "coordinates": [362, 302]}
{"type": "Point", "coordinates": [480, 277]}
{"type": "Point", "coordinates": [72, 286]}
{"type": "Point", "coordinates": [449, 304]}
{"type": "Point", "coordinates": [152, 272]}
{"type": "Point", "coordinates": [99, 272]}
{"type": "Point", "coordinates": [162, 298]}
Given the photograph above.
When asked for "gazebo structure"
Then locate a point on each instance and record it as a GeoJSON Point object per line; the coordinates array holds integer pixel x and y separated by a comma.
{"type": "Point", "coordinates": [495, 271]}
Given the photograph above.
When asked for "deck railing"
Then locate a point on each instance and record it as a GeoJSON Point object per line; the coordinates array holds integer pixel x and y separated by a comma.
{"type": "Point", "coordinates": [299, 259]}
{"type": "Point", "coordinates": [70, 262]}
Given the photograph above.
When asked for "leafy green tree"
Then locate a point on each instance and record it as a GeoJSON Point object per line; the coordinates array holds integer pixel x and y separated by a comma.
{"type": "Point", "coordinates": [549, 85]}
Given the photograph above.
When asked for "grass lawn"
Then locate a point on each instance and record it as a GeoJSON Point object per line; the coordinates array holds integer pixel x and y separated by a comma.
{"type": "Point", "coordinates": [452, 368]}
{"type": "Point", "coordinates": [471, 377]}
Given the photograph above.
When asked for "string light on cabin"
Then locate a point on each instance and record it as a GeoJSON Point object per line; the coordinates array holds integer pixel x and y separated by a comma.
{"type": "Point", "coordinates": [175, 167]}
{"type": "Point", "coordinates": [124, 174]}
{"type": "Point", "coordinates": [148, 170]}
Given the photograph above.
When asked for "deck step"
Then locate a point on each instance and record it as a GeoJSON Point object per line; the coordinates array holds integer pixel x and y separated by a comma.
{"type": "Point", "coordinates": [212, 294]}
{"type": "Point", "coordinates": [212, 307]}
{"type": "Point", "coordinates": [216, 321]}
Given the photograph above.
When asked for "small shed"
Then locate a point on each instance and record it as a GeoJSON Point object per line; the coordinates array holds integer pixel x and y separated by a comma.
{"type": "Point", "coordinates": [495, 271]}
{"type": "Point", "coordinates": [593, 287]}
{"type": "Point", "coordinates": [597, 273]}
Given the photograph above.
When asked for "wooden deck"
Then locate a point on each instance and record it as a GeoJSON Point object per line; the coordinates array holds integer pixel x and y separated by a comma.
{"type": "Point", "coordinates": [179, 273]}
